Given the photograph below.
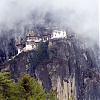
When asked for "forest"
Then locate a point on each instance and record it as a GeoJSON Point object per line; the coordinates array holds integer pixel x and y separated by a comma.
{"type": "Point", "coordinates": [27, 88]}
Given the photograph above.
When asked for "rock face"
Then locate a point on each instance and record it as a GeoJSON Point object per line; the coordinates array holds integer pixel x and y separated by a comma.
{"type": "Point", "coordinates": [71, 68]}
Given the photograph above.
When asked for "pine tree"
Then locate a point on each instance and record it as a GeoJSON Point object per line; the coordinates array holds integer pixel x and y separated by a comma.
{"type": "Point", "coordinates": [27, 88]}
{"type": "Point", "coordinates": [52, 95]}
{"type": "Point", "coordinates": [5, 85]}
{"type": "Point", "coordinates": [30, 89]}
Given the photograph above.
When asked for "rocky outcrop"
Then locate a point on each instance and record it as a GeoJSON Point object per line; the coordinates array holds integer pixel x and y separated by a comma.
{"type": "Point", "coordinates": [71, 68]}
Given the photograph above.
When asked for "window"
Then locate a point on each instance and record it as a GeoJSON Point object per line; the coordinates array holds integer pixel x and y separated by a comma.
{"type": "Point", "coordinates": [45, 38]}
{"type": "Point", "coordinates": [27, 43]}
{"type": "Point", "coordinates": [58, 32]}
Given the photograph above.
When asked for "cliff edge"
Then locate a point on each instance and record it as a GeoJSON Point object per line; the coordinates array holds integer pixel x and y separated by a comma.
{"type": "Point", "coordinates": [70, 66]}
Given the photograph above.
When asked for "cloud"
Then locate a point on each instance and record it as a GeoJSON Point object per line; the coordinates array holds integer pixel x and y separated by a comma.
{"type": "Point", "coordinates": [82, 16]}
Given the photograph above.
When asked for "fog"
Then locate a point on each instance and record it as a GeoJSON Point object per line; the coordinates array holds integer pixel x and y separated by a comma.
{"type": "Point", "coordinates": [81, 16]}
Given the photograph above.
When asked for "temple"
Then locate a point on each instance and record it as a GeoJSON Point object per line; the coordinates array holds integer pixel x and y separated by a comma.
{"type": "Point", "coordinates": [32, 40]}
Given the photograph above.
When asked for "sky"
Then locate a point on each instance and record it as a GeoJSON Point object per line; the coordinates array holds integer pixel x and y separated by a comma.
{"type": "Point", "coordinates": [82, 16]}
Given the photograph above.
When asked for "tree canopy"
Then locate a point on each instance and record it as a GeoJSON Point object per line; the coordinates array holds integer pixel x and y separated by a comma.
{"type": "Point", "coordinates": [27, 88]}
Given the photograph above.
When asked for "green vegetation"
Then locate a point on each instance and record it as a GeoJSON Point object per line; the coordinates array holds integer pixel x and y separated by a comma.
{"type": "Point", "coordinates": [42, 51]}
{"type": "Point", "coordinates": [6, 86]}
{"type": "Point", "coordinates": [27, 88]}
{"type": "Point", "coordinates": [31, 89]}
{"type": "Point", "coordinates": [52, 95]}
{"type": "Point", "coordinates": [90, 74]}
{"type": "Point", "coordinates": [12, 50]}
{"type": "Point", "coordinates": [41, 54]}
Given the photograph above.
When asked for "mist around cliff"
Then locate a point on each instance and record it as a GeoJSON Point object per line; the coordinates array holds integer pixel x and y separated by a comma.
{"type": "Point", "coordinates": [80, 16]}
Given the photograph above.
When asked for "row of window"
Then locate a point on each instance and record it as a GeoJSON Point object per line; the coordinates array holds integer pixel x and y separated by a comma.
{"type": "Point", "coordinates": [56, 34]}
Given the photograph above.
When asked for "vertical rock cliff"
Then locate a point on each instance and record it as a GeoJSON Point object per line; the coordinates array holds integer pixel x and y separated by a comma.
{"type": "Point", "coordinates": [71, 68]}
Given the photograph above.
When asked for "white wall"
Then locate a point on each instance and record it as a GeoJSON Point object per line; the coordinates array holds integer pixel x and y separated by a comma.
{"type": "Point", "coordinates": [28, 47]}
{"type": "Point", "coordinates": [19, 51]}
{"type": "Point", "coordinates": [58, 34]}
{"type": "Point", "coordinates": [37, 40]}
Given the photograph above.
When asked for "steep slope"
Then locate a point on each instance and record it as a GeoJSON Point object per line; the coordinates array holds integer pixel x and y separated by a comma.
{"type": "Point", "coordinates": [71, 68]}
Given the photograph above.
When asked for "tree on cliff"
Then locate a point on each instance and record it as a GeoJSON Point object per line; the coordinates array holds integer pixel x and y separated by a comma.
{"type": "Point", "coordinates": [27, 88]}
{"type": "Point", "coordinates": [30, 89]}
{"type": "Point", "coordinates": [52, 95]}
{"type": "Point", "coordinates": [41, 54]}
{"type": "Point", "coordinates": [12, 51]}
{"type": "Point", "coordinates": [7, 86]}
{"type": "Point", "coordinates": [2, 56]}
{"type": "Point", "coordinates": [42, 51]}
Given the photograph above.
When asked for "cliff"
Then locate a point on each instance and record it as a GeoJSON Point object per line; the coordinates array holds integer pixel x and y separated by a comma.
{"type": "Point", "coordinates": [70, 66]}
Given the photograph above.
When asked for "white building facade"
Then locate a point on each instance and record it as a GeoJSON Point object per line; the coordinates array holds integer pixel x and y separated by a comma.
{"type": "Point", "coordinates": [58, 34]}
{"type": "Point", "coordinates": [32, 41]}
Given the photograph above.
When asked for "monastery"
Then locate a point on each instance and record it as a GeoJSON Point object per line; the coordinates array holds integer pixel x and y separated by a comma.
{"type": "Point", "coordinates": [32, 40]}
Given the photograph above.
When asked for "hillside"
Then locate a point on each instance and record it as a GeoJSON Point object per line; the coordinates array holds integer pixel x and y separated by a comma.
{"type": "Point", "coordinates": [70, 66]}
